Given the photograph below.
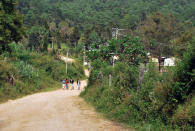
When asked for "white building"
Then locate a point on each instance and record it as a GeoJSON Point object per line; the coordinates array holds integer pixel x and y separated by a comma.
{"type": "Point", "coordinates": [169, 62]}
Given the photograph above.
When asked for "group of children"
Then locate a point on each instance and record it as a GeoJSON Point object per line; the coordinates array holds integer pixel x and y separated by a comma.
{"type": "Point", "coordinates": [65, 84]}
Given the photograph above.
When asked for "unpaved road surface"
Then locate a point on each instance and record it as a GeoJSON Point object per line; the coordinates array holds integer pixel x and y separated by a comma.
{"type": "Point", "coordinates": [61, 110]}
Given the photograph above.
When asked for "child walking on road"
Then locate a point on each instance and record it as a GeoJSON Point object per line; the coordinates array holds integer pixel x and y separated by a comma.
{"type": "Point", "coordinates": [67, 82]}
{"type": "Point", "coordinates": [63, 84]}
{"type": "Point", "coordinates": [78, 84]}
{"type": "Point", "coordinates": [71, 84]}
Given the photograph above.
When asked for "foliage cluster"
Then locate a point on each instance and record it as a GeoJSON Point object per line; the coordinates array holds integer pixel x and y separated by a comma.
{"type": "Point", "coordinates": [128, 49]}
{"type": "Point", "coordinates": [88, 21]}
{"type": "Point", "coordinates": [87, 13]}
{"type": "Point", "coordinates": [11, 24]}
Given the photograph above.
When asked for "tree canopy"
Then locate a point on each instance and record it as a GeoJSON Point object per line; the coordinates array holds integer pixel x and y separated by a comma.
{"type": "Point", "coordinates": [11, 23]}
{"type": "Point", "coordinates": [100, 16]}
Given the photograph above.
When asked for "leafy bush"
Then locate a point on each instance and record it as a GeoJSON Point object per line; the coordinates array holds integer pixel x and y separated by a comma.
{"type": "Point", "coordinates": [26, 71]}
{"type": "Point", "coordinates": [18, 51]}
{"type": "Point", "coordinates": [184, 116]}
{"type": "Point", "coordinates": [184, 76]}
{"type": "Point", "coordinates": [6, 71]}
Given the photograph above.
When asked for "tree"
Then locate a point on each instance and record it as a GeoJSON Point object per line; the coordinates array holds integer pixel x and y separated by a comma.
{"type": "Point", "coordinates": [185, 75]}
{"type": "Point", "coordinates": [76, 35]}
{"type": "Point", "coordinates": [94, 39]}
{"type": "Point", "coordinates": [129, 49]}
{"type": "Point", "coordinates": [53, 33]}
{"type": "Point", "coordinates": [38, 38]}
{"type": "Point", "coordinates": [158, 31]}
{"type": "Point", "coordinates": [64, 32]}
{"type": "Point", "coordinates": [11, 23]}
{"type": "Point", "coordinates": [182, 41]}
{"type": "Point", "coordinates": [130, 21]}
{"type": "Point", "coordinates": [43, 38]}
{"type": "Point", "coordinates": [34, 38]}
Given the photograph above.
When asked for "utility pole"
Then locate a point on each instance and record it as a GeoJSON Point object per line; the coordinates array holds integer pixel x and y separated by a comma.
{"type": "Point", "coordinates": [112, 57]}
{"type": "Point", "coordinates": [117, 32]}
{"type": "Point", "coordinates": [67, 62]}
{"type": "Point", "coordinates": [110, 80]}
{"type": "Point", "coordinates": [52, 43]}
{"type": "Point", "coordinates": [113, 60]}
{"type": "Point", "coordinates": [84, 56]}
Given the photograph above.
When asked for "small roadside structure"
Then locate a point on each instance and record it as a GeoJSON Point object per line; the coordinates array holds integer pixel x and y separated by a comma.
{"type": "Point", "coordinates": [155, 60]}
{"type": "Point", "coordinates": [85, 63]}
{"type": "Point", "coordinates": [164, 61]}
{"type": "Point", "coordinates": [169, 61]}
{"type": "Point", "coordinates": [116, 57]}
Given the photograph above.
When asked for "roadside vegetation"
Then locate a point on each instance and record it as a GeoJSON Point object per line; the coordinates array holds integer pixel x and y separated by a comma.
{"type": "Point", "coordinates": [32, 72]}
{"type": "Point", "coordinates": [161, 101]}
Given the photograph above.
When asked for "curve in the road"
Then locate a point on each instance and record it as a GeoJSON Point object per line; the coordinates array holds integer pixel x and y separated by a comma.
{"type": "Point", "coordinates": [61, 110]}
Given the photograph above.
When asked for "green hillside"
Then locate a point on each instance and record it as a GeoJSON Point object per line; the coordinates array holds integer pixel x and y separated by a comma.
{"type": "Point", "coordinates": [107, 13]}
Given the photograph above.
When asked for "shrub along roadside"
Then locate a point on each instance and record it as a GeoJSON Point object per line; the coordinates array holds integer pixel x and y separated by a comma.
{"type": "Point", "coordinates": [163, 102]}
{"type": "Point", "coordinates": [33, 72]}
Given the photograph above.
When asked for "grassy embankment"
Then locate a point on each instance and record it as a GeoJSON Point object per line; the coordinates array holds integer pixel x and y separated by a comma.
{"type": "Point", "coordinates": [33, 72]}
{"type": "Point", "coordinates": [164, 101]}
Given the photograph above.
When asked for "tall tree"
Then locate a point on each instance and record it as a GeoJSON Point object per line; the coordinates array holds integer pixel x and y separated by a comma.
{"type": "Point", "coordinates": [64, 32]}
{"type": "Point", "coordinates": [75, 36]}
{"type": "Point", "coordinates": [159, 30]}
{"type": "Point", "coordinates": [11, 23]}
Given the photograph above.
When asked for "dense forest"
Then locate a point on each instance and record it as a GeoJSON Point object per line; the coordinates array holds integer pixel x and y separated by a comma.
{"type": "Point", "coordinates": [73, 20]}
{"type": "Point", "coordinates": [108, 13]}
{"type": "Point", "coordinates": [132, 89]}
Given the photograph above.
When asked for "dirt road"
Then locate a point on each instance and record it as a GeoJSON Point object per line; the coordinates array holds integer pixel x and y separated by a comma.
{"type": "Point", "coordinates": [61, 110]}
{"type": "Point", "coordinates": [69, 60]}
